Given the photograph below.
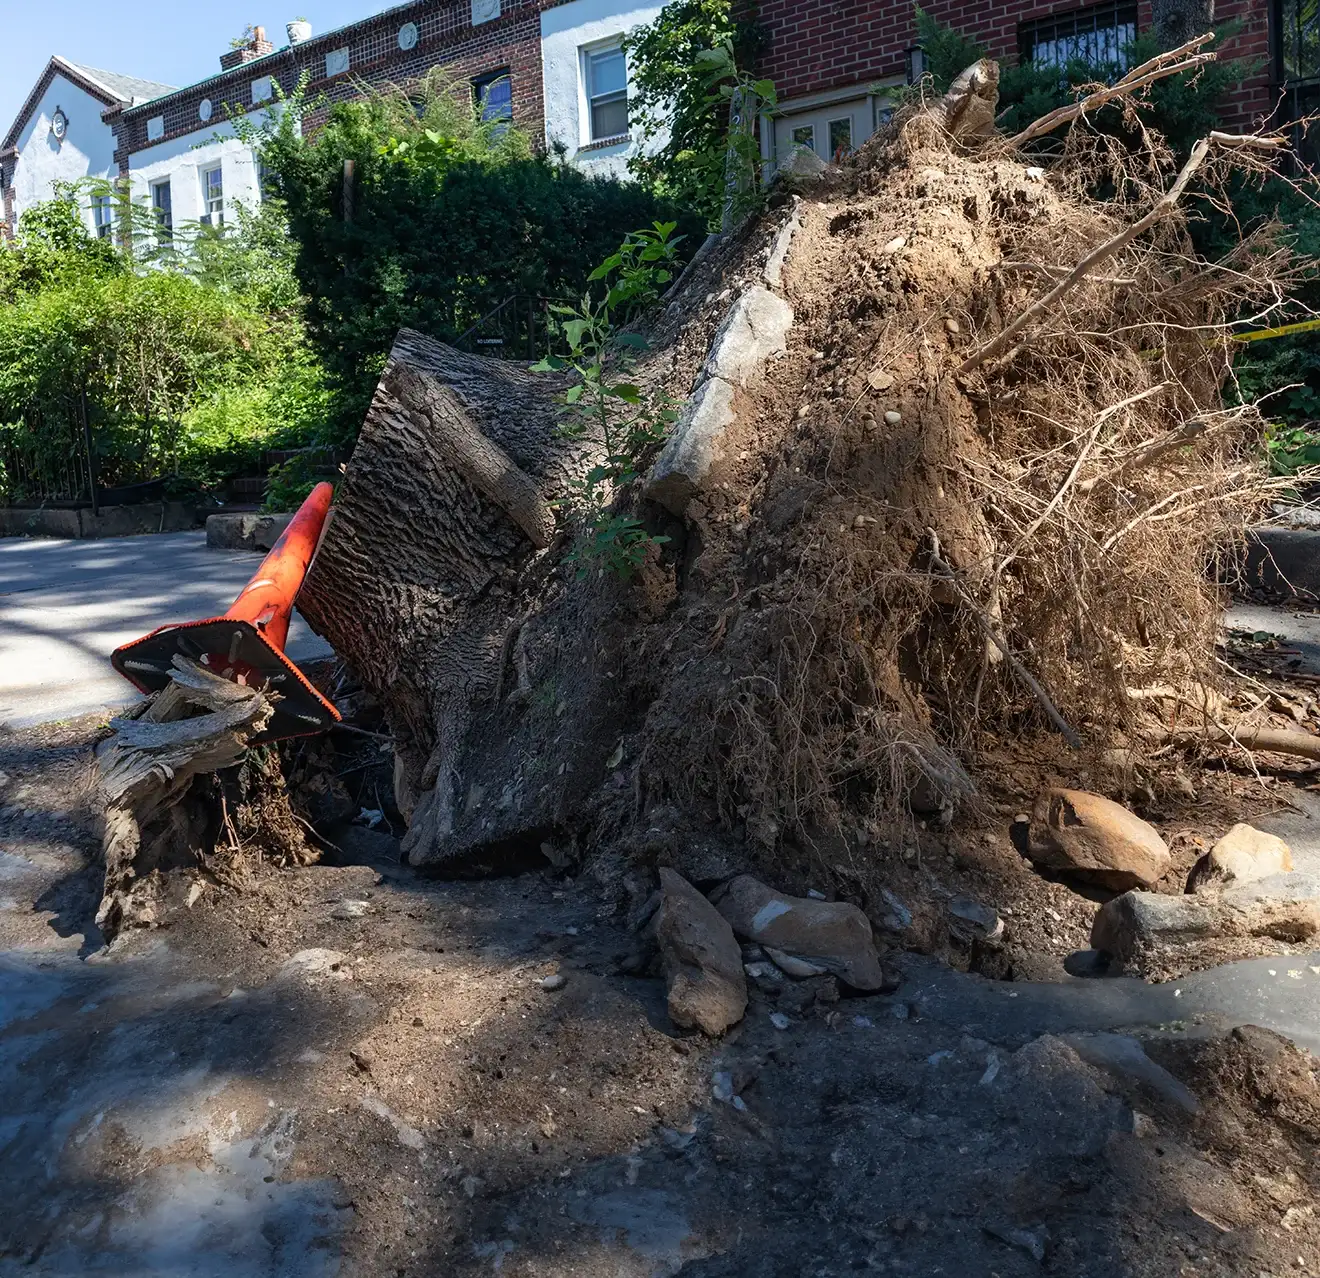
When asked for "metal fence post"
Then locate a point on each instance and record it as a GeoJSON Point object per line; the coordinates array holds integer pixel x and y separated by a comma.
{"type": "Point", "coordinates": [91, 454]}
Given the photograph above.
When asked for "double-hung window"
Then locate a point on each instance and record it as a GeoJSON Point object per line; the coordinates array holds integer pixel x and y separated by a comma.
{"type": "Point", "coordinates": [163, 208]}
{"type": "Point", "coordinates": [1098, 36]}
{"type": "Point", "coordinates": [103, 216]}
{"type": "Point", "coordinates": [607, 92]}
{"type": "Point", "coordinates": [493, 94]}
{"type": "Point", "coordinates": [213, 197]}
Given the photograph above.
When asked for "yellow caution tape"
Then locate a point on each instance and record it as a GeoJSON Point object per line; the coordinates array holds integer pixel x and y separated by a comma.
{"type": "Point", "coordinates": [1261, 334]}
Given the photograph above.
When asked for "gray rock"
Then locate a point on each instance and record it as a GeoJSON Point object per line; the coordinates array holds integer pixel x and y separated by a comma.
{"type": "Point", "coordinates": [974, 921]}
{"type": "Point", "coordinates": [555, 981]}
{"type": "Point", "coordinates": [349, 909]}
{"type": "Point", "coordinates": [1032, 1241]}
{"type": "Point", "coordinates": [831, 935]}
{"type": "Point", "coordinates": [797, 968]}
{"type": "Point", "coordinates": [244, 531]}
{"type": "Point", "coordinates": [1138, 926]}
{"type": "Point", "coordinates": [1096, 839]}
{"type": "Point", "coordinates": [897, 918]}
{"type": "Point", "coordinates": [702, 961]}
{"type": "Point", "coordinates": [801, 164]}
{"type": "Point", "coordinates": [755, 328]}
{"type": "Point", "coordinates": [1124, 1056]}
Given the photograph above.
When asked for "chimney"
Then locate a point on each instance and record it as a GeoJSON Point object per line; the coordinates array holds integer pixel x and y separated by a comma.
{"type": "Point", "coordinates": [257, 47]}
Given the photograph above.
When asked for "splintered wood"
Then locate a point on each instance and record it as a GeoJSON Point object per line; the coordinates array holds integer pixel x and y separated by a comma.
{"type": "Point", "coordinates": [152, 817]}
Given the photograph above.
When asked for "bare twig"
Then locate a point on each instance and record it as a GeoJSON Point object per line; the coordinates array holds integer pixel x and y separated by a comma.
{"type": "Point", "coordinates": [1059, 272]}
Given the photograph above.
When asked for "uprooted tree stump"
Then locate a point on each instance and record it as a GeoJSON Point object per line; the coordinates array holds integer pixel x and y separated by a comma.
{"type": "Point", "coordinates": [167, 777]}
{"type": "Point", "coordinates": [952, 456]}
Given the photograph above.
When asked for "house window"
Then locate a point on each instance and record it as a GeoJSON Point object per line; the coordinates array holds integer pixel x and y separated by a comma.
{"type": "Point", "coordinates": [805, 135]}
{"type": "Point", "coordinates": [1098, 36]}
{"type": "Point", "coordinates": [1296, 38]}
{"type": "Point", "coordinates": [213, 197]}
{"type": "Point", "coordinates": [103, 217]}
{"type": "Point", "coordinates": [493, 94]}
{"type": "Point", "coordinates": [607, 92]}
{"type": "Point", "coordinates": [163, 208]}
{"type": "Point", "coordinates": [840, 137]}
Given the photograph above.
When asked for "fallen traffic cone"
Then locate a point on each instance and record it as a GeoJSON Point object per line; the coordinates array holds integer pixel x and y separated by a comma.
{"type": "Point", "coordinates": [246, 645]}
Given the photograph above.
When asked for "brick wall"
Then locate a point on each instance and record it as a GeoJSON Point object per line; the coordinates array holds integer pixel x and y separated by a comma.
{"type": "Point", "coordinates": [814, 45]}
{"type": "Point", "coordinates": [445, 37]}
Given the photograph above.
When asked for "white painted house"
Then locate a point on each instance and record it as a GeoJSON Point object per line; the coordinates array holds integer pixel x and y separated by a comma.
{"type": "Point", "coordinates": [555, 68]}
{"type": "Point", "coordinates": [586, 82]}
{"type": "Point", "coordinates": [61, 134]}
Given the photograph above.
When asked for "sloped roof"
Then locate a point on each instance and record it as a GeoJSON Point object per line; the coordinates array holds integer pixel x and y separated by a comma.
{"type": "Point", "coordinates": [127, 88]}
{"type": "Point", "coordinates": [110, 87]}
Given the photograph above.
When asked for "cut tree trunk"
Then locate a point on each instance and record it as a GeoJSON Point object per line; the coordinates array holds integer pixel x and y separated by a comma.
{"type": "Point", "coordinates": [445, 504]}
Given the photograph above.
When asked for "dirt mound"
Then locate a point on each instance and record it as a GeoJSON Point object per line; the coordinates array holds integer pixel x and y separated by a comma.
{"type": "Point", "coordinates": [952, 460]}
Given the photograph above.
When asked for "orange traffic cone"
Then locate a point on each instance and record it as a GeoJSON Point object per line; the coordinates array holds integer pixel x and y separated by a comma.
{"type": "Point", "coordinates": [247, 643]}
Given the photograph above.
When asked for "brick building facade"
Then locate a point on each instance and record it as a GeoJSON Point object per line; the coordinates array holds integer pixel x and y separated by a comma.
{"type": "Point", "coordinates": [833, 60]}
{"type": "Point", "coordinates": [835, 64]}
{"type": "Point", "coordinates": [178, 149]}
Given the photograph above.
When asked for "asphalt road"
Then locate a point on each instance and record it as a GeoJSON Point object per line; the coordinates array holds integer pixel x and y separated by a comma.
{"type": "Point", "coordinates": [66, 605]}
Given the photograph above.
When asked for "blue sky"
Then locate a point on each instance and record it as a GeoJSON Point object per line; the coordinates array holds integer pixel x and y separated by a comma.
{"type": "Point", "coordinates": [154, 39]}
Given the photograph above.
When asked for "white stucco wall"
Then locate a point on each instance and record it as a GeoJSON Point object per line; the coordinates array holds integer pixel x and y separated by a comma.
{"type": "Point", "coordinates": [87, 150]}
{"type": "Point", "coordinates": [183, 160]}
{"type": "Point", "coordinates": [565, 31]}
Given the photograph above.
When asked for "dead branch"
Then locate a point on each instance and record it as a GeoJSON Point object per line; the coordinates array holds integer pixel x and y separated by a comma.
{"type": "Point", "coordinates": [1184, 58]}
{"type": "Point", "coordinates": [1103, 252]}
{"type": "Point", "coordinates": [1304, 745]}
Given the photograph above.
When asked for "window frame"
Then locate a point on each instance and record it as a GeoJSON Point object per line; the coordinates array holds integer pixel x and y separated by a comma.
{"type": "Point", "coordinates": [1286, 44]}
{"type": "Point", "coordinates": [481, 87]}
{"type": "Point", "coordinates": [163, 211]}
{"type": "Point", "coordinates": [104, 226]}
{"type": "Point", "coordinates": [213, 206]}
{"type": "Point", "coordinates": [829, 136]}
{"type": "Point", "coordinates": [588, 55]}
{"type": "Point", "coordinates": [1053, 29]}
{"type": "Point", "coordinates": [794, 140]}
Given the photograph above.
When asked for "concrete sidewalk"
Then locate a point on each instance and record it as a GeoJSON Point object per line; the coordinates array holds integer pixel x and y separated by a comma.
{"type": "Point", "coordinates": [66, 605]}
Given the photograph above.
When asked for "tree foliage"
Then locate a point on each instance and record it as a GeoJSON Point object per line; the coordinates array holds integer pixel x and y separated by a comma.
{"type": "Point", "coordinates": [683, 67]}
{"type": "Point", "coordinates": [190, 368]}
{"type": "Point", "coordinates": [450, 216]}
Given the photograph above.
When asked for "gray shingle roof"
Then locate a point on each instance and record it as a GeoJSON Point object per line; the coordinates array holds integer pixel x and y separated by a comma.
{"type": "Point", "coordinates": [127, 88]}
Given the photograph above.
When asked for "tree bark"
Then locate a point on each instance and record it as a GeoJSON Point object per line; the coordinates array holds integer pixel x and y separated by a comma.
{"type": "Point", "coordinates": [1177, 21]}
{"type": "Point", "coordinates": [445, 504]}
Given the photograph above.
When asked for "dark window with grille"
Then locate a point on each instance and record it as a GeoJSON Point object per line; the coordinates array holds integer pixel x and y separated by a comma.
{"type": "Point", "coordinates": [1098, 36]}
{"type": "Point", "coordinates": [494, 95]}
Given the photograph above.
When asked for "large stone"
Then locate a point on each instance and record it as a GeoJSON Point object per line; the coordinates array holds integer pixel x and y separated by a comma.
{"type": "Point", "coordinates": [1244, 855]}
{"type": "Point", "coordinates": [244, 530]}
{"type": "Point", "coordinates": [1144, 928]}
{"type": "Point", "coordinates": [755, 328]}
{"type": "Point", "coordinates": [1075, 832]}
{"type": "Point", "coordinates": [832, 935]}
{"type": "Point", "coordinates": [702, 961]}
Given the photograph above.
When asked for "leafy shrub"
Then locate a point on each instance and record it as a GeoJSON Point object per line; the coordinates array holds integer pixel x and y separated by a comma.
{"type": "Point", "coordinates": [451, 215]}
{"type": "Point", "coordinates": [191, 366]}
{"type": "Point", "coordinates": [683, 66]}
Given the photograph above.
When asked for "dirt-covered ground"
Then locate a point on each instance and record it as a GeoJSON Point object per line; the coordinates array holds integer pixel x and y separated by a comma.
{"type": "Point", "coordinates": [348, 1069]}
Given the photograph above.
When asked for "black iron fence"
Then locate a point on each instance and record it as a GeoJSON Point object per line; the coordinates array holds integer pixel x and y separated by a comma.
{"type": "Point", "coordinates": [73, 454]}
{"type": "Point", "coordinates": [520, 327]}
